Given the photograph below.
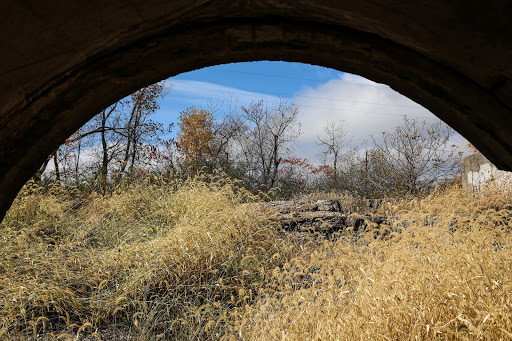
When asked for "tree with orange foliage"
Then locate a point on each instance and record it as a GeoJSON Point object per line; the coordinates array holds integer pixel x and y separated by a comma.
{"type": "Point", "coordinates": [196, 135]}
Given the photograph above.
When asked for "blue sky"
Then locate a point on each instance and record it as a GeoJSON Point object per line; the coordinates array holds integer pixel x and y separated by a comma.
{"type": "Point", "coordinates": [322, 95]}
{"type": "Point", "coordinates": [242, 82]}
{"type": "Point", "coordinates": [281, 78]}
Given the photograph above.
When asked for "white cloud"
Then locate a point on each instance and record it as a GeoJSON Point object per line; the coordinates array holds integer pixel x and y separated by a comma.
{"type": "Point", "coordinates": [368, 108]}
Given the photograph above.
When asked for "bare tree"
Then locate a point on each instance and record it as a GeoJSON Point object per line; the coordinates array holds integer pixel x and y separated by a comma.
{"type": "Point", "coordinates": [334, 139]}
{"type": "Point", "coordinates": [119, 133]}
{"type": "Point", "coordinates": [139, 129]}
{"type": "Point", "coordinates": [227, 131]}
{"type": "Point", "coordinates": [267, 137]}
{"type": "Point", "coordinates": [103, 135]}
{"type": "Point", "coordinates": [414, 157]}
{"type": "Point", "coordinates": [108, 127]}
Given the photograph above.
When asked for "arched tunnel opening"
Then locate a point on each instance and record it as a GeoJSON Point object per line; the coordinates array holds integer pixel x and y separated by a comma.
{"type": "Point", "coordinates": [64, 72]}
{"type": "Point", "coordinates": [204, 258]}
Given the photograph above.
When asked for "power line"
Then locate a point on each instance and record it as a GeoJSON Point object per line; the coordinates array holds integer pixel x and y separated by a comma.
{"type": "Point", "coordinates": [298, 78]}
{"type": "Point", "coordinates": [307, 106]}
{"type": "Point", "coordinates": [303, 96]}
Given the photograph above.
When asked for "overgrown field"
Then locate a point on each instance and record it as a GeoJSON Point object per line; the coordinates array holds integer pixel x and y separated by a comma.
{"type": "Point", "coordinates": [195, 260]}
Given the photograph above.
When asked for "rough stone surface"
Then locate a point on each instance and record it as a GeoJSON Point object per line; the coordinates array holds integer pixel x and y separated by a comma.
{"type": "Point", "coordinates": [64, 61]}
{"type": "Point", "coordinates": [322, 216]}
{"type": "Point", "coordinates": [294, 206]}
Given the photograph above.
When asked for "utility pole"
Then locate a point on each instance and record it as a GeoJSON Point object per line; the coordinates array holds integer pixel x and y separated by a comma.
{"type": "Point", "coordinates": [366, 170]}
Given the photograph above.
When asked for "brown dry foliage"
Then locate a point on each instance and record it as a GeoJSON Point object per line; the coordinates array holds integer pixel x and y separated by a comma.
{"type": "Point", "coordinates": [195, 138]}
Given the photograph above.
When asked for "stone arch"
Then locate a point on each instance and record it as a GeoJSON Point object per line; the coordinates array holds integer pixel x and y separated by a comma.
{"type": "Point", "coordinates": [64, 62]}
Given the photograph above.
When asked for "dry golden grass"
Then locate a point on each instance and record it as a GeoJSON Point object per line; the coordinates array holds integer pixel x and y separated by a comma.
{"type": "Point", "coordinates": [444, 272]}
{"type": "Point", "coordinates": [187, 260]}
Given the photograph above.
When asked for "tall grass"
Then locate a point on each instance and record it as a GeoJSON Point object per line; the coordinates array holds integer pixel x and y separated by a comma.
{"type": "Point", "coordinates": [195, 260]}
{"type": "Point", "coordinates": [444, 272]}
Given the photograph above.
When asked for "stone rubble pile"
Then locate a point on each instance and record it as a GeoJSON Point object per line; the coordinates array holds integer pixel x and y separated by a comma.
{"type": "Point", "coordinates": [322, 216]}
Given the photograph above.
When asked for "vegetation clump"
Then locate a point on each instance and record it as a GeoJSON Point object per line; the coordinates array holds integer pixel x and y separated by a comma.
{"type": "Point", "coordinates": [190, 259]}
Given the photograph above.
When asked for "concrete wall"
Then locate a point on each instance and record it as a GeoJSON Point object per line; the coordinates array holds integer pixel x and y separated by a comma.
{"type": "Point", "coordinates": [479, 173]}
